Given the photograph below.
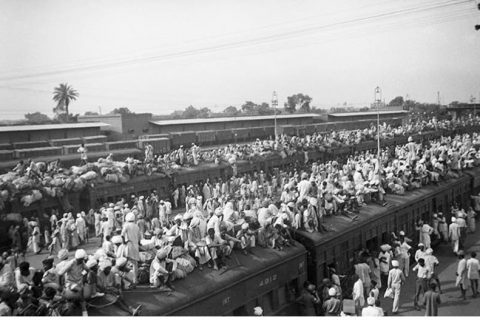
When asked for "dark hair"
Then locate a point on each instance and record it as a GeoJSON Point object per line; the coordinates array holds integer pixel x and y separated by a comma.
{"type": "Point", "coordinates": [473, 254]}
{"type": "Point", "coordinates": [24, 265]}
{"type": "Point", "coordinates": [433, 285]}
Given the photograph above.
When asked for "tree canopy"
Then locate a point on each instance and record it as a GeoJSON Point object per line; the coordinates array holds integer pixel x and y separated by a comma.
{"type": "Point", "coordinates": [298, 102]}
{"type": "Point", "coordinates": [122, 110]}
{"type": "Point", "coordinates": [37, 118]}
{"type": "Point", "coordinates": [396, 102]}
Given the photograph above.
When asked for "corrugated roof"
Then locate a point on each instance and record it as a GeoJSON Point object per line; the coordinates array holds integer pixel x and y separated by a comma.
{"type": "Point", "coordinates": [225, 119]}
{"type": "Point", "coordinates": [352, 114]}
{"type": "Point", "coordinates": [58, 126]}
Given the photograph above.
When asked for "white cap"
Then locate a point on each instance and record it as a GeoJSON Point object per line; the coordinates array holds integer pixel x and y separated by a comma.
{"type": "Point", "coordinates": [91, 263]}
{"type": "Point", "coordinates": [258, 311]}
{"type": "Point", "coordinates": [130, 217]}
{"type": "Point", "coordinates": [371, 301]}
{"type": "Point", "coordinates": [80, 254]}
{"type": "Point", "coordinates": [117, 239]}
{"type": "Point", "coordinates": [395, 263]}
{"type": "Point", "coordinates": [332, 292]}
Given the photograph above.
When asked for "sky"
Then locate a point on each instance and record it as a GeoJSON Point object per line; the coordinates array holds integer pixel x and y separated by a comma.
{"type": "Point", "coordinates": [159, 56]}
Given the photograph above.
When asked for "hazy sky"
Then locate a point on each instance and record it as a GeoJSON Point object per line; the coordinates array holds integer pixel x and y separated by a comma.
{"type": "Point", "coordinates": [159, 56]}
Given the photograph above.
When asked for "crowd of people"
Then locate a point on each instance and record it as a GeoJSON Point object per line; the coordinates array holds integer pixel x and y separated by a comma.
{"type": "Point", "coordinates": [144, 243]}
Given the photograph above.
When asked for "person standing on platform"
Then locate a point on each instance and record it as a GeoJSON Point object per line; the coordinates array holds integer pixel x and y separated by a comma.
{"type": "Point", "coordinates": [454, 235]}
{"type": "Point", "coordinates": [473, 269]}
{"type": "Point", "coordinates": [83, 154]}
{"type": "Point", "coordinates": [442, 227]}
{"type": "Point", "coordinates": [358, 297]}
{"type": "Point", "coordinates": [462, 278]}
{"type": "Point", "coordinates": [432, 300]}
{"type": "Point", "coordinates": [132, 236]}
{"type": "Point", "coordinates": [421, 284]}
{"type": "Point", "coordinates": [396, 279]}
{"type": "Point", "coordinates": [309, 300]}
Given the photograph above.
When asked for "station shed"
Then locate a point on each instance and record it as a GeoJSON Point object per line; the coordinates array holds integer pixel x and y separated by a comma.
{"type": "Point", "coordinates": [457, 110]}
{"type": "Point", "coordinates": [45, 132]}
{"type": "Point", "coordinates": [225, 123]}
{"type": "Point", "coordinates": [369, 115]}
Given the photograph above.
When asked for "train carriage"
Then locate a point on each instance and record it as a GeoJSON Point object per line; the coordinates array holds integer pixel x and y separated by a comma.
{"type": "Point", "coordinates": [96, 195]}
{"type": "Point", "coordinates": [375, 224]}
{"type": "Point", "coordinates": [267, 277]}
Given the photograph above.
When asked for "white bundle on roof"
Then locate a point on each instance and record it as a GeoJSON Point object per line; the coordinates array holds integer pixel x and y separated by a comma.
{"type": "Point", "coordinates": [90, 175]}
{"type": "Point", "coordinates": [27, 200]}
{"type": "Point", "coordinates": [37, 195]}
{"type": "Point", "coordinates": [4, 194]}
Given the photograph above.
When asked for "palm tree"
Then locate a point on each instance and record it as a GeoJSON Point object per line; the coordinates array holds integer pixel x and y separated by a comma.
{"type": "Point", "coordinates": [63, 95]}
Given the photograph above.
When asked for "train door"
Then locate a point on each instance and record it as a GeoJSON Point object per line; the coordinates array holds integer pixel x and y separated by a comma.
{"type": "Point", "coordinates": [372, 243]}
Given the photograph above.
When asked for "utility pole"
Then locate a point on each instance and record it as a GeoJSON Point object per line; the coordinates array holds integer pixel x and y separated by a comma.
{"type": "Point", "coordinates": [438, 98]}
{"type": "Point", "coordinates": [477, 27]}
{"type": "Point", "coordinates": [378, 100]}
{"type": "Point", "coordinates": [274, 106]}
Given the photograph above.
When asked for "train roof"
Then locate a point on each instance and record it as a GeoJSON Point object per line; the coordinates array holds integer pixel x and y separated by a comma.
{"type": "Point", "coordinates": [370, 213]}
{"type": "Point", "coordinates": [200, 285]}
{"type": "Point", "coordinates": [228, 119]}
{"type": "Point", "coordinates": [366, 113]}
{"type": "Point", "coordinates": [56, 126]}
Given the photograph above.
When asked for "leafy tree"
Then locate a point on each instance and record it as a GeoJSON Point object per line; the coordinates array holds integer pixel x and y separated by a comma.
{"type": "Point", "coordinates": [190, 112]}
{"type": "Point", "coordinates": [231, 110]}
{"type": "Point", "coordinates": [122, 110]}
{"type": "Point", "coordinates": [248, 107]}
{"type": "Point", "coordinates": [63, 95]}
{"type": "Point", "coordinates": [37, 118]}
{"type": "Point", "coordinates": [364, 109]}
{"type": "Point", "coordinates": [204, 113]}
{"type": "Point", "coordinates": [298, 101]}
{"type": "Point", "coordinates": [397, 101]}
{"type": "Point", "coordinates": [264, 109]}
{"type": "Point", "coordinates": [90, 113]}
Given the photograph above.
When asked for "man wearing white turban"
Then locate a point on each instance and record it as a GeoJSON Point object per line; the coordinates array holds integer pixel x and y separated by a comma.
{"type": "Point", "coordinates": [132, 236]}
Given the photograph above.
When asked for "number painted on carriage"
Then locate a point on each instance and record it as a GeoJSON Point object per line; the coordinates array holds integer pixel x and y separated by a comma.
{"type": "Point", "coordinates": [226, 301]}
{"type": "Point", "coordinates": [267, 280]}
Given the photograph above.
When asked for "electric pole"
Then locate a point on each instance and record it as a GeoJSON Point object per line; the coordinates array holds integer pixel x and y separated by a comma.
{"type": "Point", "coordinates": [477, 27]}
{"type": "Point", "coordinates": [378, 100]}
{"type": "Point", "coordinates": [274, 106]}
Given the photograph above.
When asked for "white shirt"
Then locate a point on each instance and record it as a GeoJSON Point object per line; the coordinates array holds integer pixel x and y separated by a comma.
{"type": "Point", "coordinates": [371, 311]}
{"type": "Point", "coordinates": [358, 292]}
{"type": "Point", "coordinates": [473, 267]}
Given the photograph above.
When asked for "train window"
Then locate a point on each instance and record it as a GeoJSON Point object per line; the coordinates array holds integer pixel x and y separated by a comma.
{"type": "Point", "coordinates": [282, 295]}
{"type": "Point", "coordinates": [242, 311]}
{"type": "Point", "coordinates": [267, 302]}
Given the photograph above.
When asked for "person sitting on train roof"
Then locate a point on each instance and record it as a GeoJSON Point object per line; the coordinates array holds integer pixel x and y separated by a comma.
{"type": "Point", "coordinates": [218, 248]}
{"type": "Point", "coordinates": [162, 269]}
{"type": "Point", "coordinates": [109, 283]}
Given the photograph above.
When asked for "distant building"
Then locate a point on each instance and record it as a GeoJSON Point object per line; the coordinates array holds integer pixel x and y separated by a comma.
{"type": "Point", "coordinates": [460, 109]}
{"type": "Point", "coordinates": [123, 126]}
{"type": "Point", "coordinates": [45, 132]}
{"type": "Point", "coordinates": [204, 124]}
{"type": "Point", "coordinates": [369, 115]}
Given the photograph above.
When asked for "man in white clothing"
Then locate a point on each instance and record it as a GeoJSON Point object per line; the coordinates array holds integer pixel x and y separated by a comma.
{"type": "Point", "coordinates": [473, 268]}
{"type": "Point", "coordinates": [396, 279]}
{"type": "Point", "coordinates": [358, 297]}
{"type": "Point", "coordinates": [371, 310]}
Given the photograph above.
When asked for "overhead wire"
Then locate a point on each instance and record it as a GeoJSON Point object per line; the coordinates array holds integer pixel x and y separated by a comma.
{"type": "Point", "coordinates": [241, 43]}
